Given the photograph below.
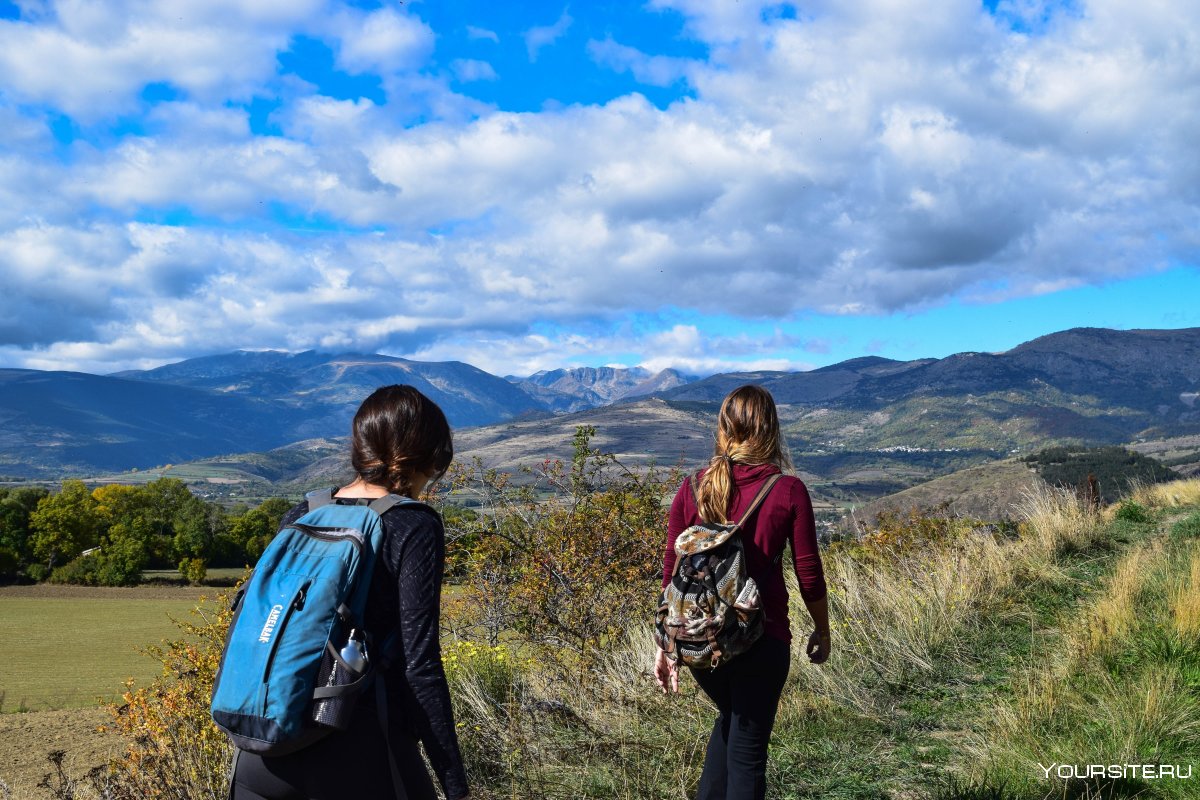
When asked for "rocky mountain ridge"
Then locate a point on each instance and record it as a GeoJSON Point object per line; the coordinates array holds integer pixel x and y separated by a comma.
{"type": "Point", "coordinates": [580, 388]}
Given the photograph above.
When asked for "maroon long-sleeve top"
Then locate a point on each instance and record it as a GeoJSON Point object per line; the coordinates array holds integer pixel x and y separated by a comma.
{"type": "Point", "coordinates": [785, 516]}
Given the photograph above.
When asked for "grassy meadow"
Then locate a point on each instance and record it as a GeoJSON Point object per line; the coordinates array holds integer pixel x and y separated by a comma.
{"type": "Point", "coordinates": [967, 658]}
{"type": "Point", "coordinates": [65, 646]}
{"type": "Point", "coordinates": [963, 657]}
{"type": "Point", "coordinates": [67, 649]}
{"type": "Point", "coordinates": [68, 646]}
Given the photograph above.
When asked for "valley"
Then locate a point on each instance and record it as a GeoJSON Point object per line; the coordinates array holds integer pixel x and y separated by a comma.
{"type": "Point", "coordinates": [243, 426]}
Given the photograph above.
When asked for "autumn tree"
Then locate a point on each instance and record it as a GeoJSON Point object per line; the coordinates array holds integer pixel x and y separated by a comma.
{"type": "Point", "coordinates": [566, 557]}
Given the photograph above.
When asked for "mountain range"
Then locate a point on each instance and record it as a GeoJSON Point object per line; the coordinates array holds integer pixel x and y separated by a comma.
{"type": "Point", "coordinates": [868, 424]}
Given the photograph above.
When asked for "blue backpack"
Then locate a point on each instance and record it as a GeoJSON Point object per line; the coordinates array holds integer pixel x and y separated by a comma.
{"type": "Point", "coordinates": [289, 675]}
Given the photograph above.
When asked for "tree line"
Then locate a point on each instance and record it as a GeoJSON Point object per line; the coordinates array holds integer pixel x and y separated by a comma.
{"type": "Point", "coordinates": [1115, 470]}
{"type": "Point", "coordinates": [107, 536]}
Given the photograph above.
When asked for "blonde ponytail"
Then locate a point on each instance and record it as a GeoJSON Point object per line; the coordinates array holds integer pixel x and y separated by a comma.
{"type": "Point", "coordinates": [716, 487]}
{"type": "Point", "coordinates": [747, 433]}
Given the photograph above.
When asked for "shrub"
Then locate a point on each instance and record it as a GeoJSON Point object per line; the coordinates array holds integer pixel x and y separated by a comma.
{"type": "Point", "coordinates": [83, 570]}
{"type": "Point", "coordinates": [563, 562]}
{"type": "Point", "coordinates": [173, 750]}
{"type": "Point", "coordinates": [118, 564]}
{"type": "Point", "coordinates": [9, 562]}
{"type": "Point", "coordinates": [1131, 511]}
{"type": "Point", "coordinates": [193, 570]}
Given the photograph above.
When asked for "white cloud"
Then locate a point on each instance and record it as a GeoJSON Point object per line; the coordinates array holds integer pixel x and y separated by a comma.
{"type": "Point", "coordinates": [848, 162]}
{"type": "Point", "coordinates": [92, 60]}
{"type": "Point", "coordinates": [469, 69]}
{"type": "Point", "coordinates": [482, 33]}
{"type": "Point", "coordinates": [383, 41]}
{"type": "Point", "coordinates": [541, 36]}
{"type": "Point", "coordinates": [647, 69]}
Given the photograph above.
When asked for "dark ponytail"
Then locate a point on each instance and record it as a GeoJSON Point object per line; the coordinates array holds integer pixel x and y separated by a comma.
{"type": "Point", "coordinates": [397, 433]}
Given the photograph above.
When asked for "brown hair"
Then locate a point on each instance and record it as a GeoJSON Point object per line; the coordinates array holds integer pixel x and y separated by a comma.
{"type": "Point", "coordinates": [747, 433]}
{"type": "Point", "coordinates": [397, 433]}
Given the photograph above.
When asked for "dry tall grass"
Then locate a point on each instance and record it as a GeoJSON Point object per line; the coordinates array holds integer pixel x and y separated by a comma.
{"type": "Point", "coordinates": [525, 734]}
{"type": "Point", "coordinates": [1057, 520]}
{"type": "Point", "coordinates": [1185, 603]}
{"type": "Point", "coordinates": [893, 619]}
{"type": "Point", "coordinates": [1114, 615]}
{"type": "Point", "coordinates": [896, 617]}
{"type": "Point", "coordinates": [1168, 495]}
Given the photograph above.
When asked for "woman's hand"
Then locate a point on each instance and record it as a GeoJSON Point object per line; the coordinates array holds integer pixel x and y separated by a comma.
{"type": "Point", "coordinates": [818, 647]}
{"type": "Point", "coordinates": [666, 673]}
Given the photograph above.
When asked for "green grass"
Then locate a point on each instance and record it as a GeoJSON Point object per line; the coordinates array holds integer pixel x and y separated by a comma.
{"type": "Point", "coordinates": [216, 576]}
{"type": "Point", "coordinates": [67, 653]}
{"type": "Point", "coordinates": [917, 746]}
{"type": "Point", "coordinates": [1132, 698]}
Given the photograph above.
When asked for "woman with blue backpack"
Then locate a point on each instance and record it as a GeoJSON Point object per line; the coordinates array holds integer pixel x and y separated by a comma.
{"type": "Point", "coordinates": [400, 443]}
{"type": "Point", "coordinates": [723, 611]}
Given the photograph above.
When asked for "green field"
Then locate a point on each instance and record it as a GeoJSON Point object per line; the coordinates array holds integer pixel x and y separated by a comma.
{"type": "Point", "coordinates": [65, 647]}
{"type": "Point", "coordinates": [216, 576]}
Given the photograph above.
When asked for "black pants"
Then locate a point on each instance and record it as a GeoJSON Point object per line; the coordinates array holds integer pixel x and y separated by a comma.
{"type": "Point", "coordinates": [350, 764]}
{"type": "Point", "coordinates": [746, 691]}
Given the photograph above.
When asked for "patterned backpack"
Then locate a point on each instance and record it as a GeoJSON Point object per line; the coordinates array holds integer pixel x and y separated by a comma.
{"type": "Point", "coordinates": [710, 610]}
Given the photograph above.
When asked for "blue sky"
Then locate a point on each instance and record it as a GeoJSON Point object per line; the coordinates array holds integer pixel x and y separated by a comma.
{"type": "Point", "coordinates": [704, 184]}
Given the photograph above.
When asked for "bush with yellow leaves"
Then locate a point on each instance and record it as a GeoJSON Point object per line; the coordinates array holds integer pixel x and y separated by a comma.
{"type": "Point", "coordinates": [173, 750]}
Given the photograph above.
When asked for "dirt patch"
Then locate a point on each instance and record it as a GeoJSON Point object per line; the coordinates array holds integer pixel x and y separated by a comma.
{"type": "Point", "coordinates": [26, 740]}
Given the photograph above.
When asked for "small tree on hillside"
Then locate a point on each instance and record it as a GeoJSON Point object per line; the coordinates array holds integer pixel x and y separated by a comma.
{"type": "Point", "coordinates": [566, 559]}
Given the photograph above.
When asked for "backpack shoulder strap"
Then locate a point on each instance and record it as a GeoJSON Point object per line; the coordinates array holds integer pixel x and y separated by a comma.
{"type": "Point", "coordinates": [762, 495]}
{"type": "Point", "coordinates": [324, 497]}
{"type": "Point", "coordinates": [694, 482]}
{"type": "Point", "coordinates": [381, 504]}
{"type": "Point", "coordinates": [318, 498]}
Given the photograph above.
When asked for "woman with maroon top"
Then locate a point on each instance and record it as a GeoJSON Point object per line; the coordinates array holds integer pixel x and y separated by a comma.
{"type": "Point", "coordinates": [747, 688]}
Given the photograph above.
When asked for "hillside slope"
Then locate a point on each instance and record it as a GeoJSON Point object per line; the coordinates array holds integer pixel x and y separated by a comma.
{"type": "Point", "coordinates": [1157, 371]}
{"type": "Point", "coordinates": [61, 422]}
{"type": "Point", "coordinates": [991, 491]}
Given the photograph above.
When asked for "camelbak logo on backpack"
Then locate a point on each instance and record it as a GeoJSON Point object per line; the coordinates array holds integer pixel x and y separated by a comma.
{"type": "Point", "coordinates": [272, 618]}
{"type": "Point", "coordinates": [710, 610]}
{"type": "Point", "coordinates": [291, 619]}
